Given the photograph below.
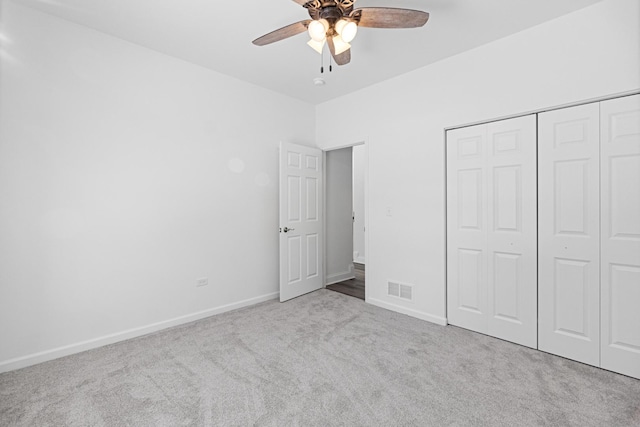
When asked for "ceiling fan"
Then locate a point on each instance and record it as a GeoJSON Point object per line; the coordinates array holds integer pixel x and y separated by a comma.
{"type": "Point", "coordinates": [336, 22]}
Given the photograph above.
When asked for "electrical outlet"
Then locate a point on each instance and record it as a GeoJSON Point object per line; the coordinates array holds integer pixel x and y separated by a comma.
{"type": "Point", "coordinates": [202, 281]}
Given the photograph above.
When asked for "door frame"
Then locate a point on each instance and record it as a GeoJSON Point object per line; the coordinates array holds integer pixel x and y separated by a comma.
{"type": "Point", "coordinates": [365, 143]}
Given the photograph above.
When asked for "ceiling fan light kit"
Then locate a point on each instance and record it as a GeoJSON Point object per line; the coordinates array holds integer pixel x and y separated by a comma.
{"type": "Point", "coordinates": [340, 45]}
{"type": "Point", "coordinates": [346, 29]}
{"type": "Point", "coordinates": [318, 29]}
{"type": "Point", "coordinates": [316, 45]}
{"type": "Point", "coordinates": [336, 22]}
{"type": "Point", "coordinates": [342, 32]}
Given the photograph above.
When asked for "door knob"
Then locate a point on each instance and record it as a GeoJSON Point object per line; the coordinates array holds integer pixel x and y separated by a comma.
{"type": "Point", "coordinates": [288, 229]}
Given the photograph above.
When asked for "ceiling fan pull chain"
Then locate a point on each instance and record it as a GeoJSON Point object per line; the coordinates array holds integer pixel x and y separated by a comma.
{"type": "Point", "coordinates": [321, 63]}
{"type": "Point", "coordinates": [330, 63]}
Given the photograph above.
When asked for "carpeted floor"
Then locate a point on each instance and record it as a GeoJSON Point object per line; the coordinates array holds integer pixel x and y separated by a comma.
{"type": "Point", "coordinates": [324, 359]}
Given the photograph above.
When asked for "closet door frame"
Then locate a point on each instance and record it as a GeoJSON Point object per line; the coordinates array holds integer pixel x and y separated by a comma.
{"type": "Point", "coordinates": [605, 329]}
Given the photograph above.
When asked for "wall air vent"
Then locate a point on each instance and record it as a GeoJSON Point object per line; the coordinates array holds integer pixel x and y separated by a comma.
{"type": "Point", "coordinates": [406, 292]}
{"type": "Point", "coordinates": [400, 290]}
{"type": "Point", "coordinates": [394, 289]}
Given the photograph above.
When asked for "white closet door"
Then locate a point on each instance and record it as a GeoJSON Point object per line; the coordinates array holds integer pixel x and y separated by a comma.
{"type": "Point", "coordinates": [466, 228]}
{"type": "Point", "coordinates": [511, 237]}
{"type": "Point", "coordinates": [620, 279]}
{"type": "Point", "coordinates": [568, 233]}
{"type": "Point", "coordinates": [491, 229]}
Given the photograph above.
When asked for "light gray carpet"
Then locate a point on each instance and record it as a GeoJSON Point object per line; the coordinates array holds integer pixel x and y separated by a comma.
{"type": "Point", "coordinates": [323, 359]}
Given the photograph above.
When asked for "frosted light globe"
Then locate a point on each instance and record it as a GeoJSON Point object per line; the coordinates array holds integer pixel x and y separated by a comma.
{"type": "Point", "coordinates": [318, 29]}
{"type": "Point", "coordinates": [346, 29]}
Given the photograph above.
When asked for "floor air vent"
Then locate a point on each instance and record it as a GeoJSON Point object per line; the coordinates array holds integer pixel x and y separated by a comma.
{"type": "Point", "coordinates": [400, 290]}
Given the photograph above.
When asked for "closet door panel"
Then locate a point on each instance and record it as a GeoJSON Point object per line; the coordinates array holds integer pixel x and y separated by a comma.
{"type": "Point", "coordinates": [466, 227]}
{"type": "Point", "coordinates": [620, 279]}
{"type": "Point", "coordinates": [568, 233]}
{"type": "Point", "coordinates": [511, 243]}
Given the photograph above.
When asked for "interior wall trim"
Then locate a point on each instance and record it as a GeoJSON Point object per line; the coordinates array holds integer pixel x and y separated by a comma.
{"type": "Point", "coordinates": [442, 321]}
{"type": "Point", "coordinates": [542, 110]}
{"type": "Point", "coordinates": [44, 356]}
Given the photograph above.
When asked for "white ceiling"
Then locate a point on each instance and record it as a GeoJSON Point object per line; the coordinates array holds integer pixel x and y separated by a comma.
{"type": "Point", "coordinates": [218, 35]}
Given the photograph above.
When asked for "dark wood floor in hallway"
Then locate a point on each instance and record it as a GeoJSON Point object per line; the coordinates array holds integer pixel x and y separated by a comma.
{"type": "Point", "coordinates": [352, 287]}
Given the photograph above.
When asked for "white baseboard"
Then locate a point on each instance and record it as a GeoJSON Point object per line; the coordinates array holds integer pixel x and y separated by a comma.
{"type": "Point", "coordinates": [44, 356]}
{"type": "Point", "coordinates": [408, 311]}
{"type": "Point", "coordinates": [340, 277]}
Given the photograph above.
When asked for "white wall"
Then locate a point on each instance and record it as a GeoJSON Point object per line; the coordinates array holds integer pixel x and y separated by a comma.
{"type": "Point", "coordinates": [359, 164]}
{"type": "Point", "coordinates": [590, 53]}
{"type": "Point", "coordinates": [124, 176]}
{"type": "Point", "coordinates": [338, 208]}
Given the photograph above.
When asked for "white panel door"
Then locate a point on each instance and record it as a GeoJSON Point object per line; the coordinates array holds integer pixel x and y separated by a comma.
{"type": "Point", "coordinates": [466, 228]}
{"type": "Point", "coordinates": [511, 225]}
{"type": "Point", "coordinates": [620, 228]}
{"type": "Point", "coordinates": [491, 229]}
{"type": "Point", "coordinates": [300, 220]}
{"type": "Point", "coordinates": [568, 233]}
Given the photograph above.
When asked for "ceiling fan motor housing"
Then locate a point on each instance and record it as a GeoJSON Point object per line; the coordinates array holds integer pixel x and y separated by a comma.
{"type": "Point", "coordinates": [331, 13]}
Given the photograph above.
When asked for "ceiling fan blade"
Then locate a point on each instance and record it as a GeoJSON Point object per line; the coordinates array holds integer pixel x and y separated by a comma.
{"type": "Point", "coordinates": [283, 33]}
{"type": "Point", "coordinates": [388, 17]}
{"type": "Point", "coordinates": [342, 58]}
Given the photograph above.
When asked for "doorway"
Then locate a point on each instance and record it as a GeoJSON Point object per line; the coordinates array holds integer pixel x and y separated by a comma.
{"type": "Point", "coordinates": [345, 254]}
{"type": "Point", "coordinates": [353, 287]}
